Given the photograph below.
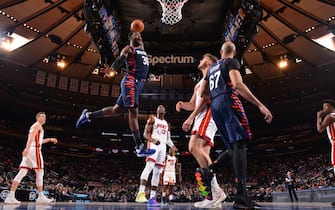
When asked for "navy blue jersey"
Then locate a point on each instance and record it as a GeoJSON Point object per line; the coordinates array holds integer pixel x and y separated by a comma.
{"type": "Point", "coordinates": [138, 64]}
{"type": "Point", "coordinates": [218, 76]}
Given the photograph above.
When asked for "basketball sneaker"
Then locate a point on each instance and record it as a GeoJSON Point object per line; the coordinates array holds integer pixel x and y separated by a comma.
{"type": "Point", "coordinates": [242, 202]}
{"type": "Point", "coordinates": [140, 197]}
{"type": "Point", "coordinates": [153, 203]}
{"type": "Point", "coordinates": [43, 199]}
{"type": "Point", "coordinates": [202, 203]}
{"type": "Point", "coordinates": [142, 151]}
{"type": "Point", "coordinates": [218, 197]}
{"type": "Point", "coordinates": [11, 200]}
{"type": "Point", "coordinates": [83, 118]}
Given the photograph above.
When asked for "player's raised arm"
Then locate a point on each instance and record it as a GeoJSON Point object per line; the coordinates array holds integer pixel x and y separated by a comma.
{"type": "Point", "coordinates": [148, 128]}
{"type": "Point", "coordinates": [186, 105]}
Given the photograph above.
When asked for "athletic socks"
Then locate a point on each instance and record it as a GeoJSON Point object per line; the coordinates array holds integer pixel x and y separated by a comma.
{"type": "Point", "coordinates": [96, 114]}
{"type": "Point", "coordinates": [137, 137]}
{"type": "Point", "coordinates": [142, 188]}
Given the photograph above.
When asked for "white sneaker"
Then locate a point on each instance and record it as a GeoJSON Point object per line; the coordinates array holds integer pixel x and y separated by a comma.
{"type": "Point", "coordinates": [43, 199]}
{"type": "Point", "coordinates": [202, 203]}
{"type": "Point", "coordinates": [218, 197]}
{"type": "Point", "coordinates": [11, 200]}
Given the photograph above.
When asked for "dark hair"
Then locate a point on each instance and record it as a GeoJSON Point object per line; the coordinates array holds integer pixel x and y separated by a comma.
{"type": "Point", "coordinates": [213, 58]}
{"type": "Point", "coordinates": [329, 101]}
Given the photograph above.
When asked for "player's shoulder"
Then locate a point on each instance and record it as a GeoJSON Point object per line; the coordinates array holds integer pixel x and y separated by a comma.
{"type": "Point", "coordinates": [36, 126]}
{"type": "Point", "coordinates": [231, 61]}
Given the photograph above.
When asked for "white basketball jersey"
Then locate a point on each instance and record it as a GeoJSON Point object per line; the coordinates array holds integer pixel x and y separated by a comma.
{"type": "Point", "coordinates": [170, 163]}
{"type": "Point", "coordinates": [160, 130]}
{"type": "Point", "coordinates": [38, 139]}
{"type": "Point", "coordinates": [197, 91]}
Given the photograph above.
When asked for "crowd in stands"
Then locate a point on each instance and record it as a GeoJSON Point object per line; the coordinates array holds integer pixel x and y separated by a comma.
{"type": "Point", "coordinates": [117, 180]}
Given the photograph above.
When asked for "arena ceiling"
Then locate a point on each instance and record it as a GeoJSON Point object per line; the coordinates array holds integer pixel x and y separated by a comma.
{"type": "Point", "coordinates": [287, 30]}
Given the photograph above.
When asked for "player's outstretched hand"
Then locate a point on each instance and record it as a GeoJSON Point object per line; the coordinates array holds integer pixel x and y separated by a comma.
{"type": "Point", "coordinates": [267, 114]}
{"type": "Point", "coordinates": [187, 125]}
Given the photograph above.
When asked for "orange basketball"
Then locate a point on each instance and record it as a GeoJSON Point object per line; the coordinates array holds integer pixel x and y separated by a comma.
{"type": "Point", "coordinates": [137, 25]}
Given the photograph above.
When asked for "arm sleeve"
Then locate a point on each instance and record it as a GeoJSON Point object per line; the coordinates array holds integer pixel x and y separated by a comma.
{"type": "Point", "coordinates": [233, 64]}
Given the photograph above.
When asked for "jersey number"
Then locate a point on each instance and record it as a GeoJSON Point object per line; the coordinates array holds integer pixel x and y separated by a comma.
{"type": "Point", "coordinates": [145, 60]}
{"type": "Point", "coordinates": [214, 80]}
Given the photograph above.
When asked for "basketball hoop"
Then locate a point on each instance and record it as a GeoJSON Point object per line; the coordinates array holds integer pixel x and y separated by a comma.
{"type": "Point", "coordinates": [171, 11]}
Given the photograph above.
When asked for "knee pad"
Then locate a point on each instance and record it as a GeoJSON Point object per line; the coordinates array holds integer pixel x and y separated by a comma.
{"type": "Point", "coordinates": [155, 176]}
{"type": "Point", "coordinates": [39, 177]}
{"type": "Point", "coordinates": [149, 166]}
{"type": "Point", "coordinates": [19, 176]}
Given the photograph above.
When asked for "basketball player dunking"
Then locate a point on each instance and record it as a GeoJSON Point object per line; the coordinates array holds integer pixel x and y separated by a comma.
{"type": "Point", "coordinates": [136, 60]}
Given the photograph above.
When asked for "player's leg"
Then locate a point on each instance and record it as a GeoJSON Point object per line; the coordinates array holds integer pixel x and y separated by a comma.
{"type": "Point", "coordinates": [17, 179]}
{"type": "Point", "coordinates": [218, 194]}
{"type": "Point", "coordinates": [196, 149]}
{"type": "Point", "coordinates": [156, 174]}
{"type": "Point", "coordinates": [165, 192]}
{"type": "Point", "coordinates": [87, 116]}
{"type": "Point", "coordinates": [132, 104]}
{"type": "Point", "coordinates": [39, 185]}
{"type": "Point", "coordinates": [149, 166]}
{"type": "Point", "coordinates": [154, 185]}
{"type": "Point", "coordinates": [141, 148]}
{"type": "Point", "coordinates": [170, 193]}
{"type": "Point", "coordinates": [117, 109]}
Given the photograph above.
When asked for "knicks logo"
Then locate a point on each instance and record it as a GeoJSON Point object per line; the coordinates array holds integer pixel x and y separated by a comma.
{"type": "Point", "coordinates": [4, 194]}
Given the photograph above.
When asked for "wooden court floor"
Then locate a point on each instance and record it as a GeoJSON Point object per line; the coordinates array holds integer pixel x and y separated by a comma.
{"type": "Point", "coordinates": [136, 206]}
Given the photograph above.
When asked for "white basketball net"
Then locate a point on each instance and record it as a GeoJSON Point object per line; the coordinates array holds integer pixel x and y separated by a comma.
{"type": "Point", "coordinates": [171, 11]}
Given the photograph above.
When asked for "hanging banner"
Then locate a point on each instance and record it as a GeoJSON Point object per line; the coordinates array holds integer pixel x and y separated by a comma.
{"type": "Point", "coordinates": [74, 84]}
{"type": "Point", "coordinates": [63, 82]}
{"type": "Point", "coordinates": [84, 87]}
{"type": "Point", "coordinates": [40, 77]}
{"type": "Point", "coordinates": [95, 88]}
{"type": "Point", "coordinates": [115, 91]}
{"type": "Point", "coordinates": [52, 79]}
{"type": "Point", "coordinates": [104, 90]}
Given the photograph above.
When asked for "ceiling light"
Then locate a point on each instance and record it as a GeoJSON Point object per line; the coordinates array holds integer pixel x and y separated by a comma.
{"type": "Point", "coordinates": [282, 64]}
{"type": "Point", "coordinates": [6, 43]}
{"type": "Point", "coordinates": [12, 42]}
{"type": "Point", "coordinates": [328, 41]}
{"type": "Point", "coordinates": [61, 63]}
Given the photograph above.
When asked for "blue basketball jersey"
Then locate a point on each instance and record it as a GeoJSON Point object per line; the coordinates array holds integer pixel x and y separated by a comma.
{"type": "Point", "coordinates": [138, 64]}
{"type": "Point", "coordinates": [218, 76]}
